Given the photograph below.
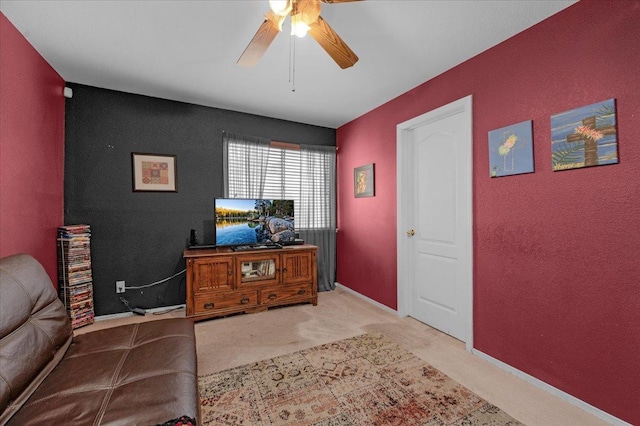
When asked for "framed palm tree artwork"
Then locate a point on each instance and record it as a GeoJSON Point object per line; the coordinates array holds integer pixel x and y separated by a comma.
{"type": "Point", "coordinates": [584, 137]}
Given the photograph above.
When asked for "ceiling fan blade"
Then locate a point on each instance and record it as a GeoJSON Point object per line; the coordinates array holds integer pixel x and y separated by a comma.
{"type": "Point", "coordinates": [332, 43]}
{"type": "Point", "coordinates": [269, 29]}
{"type": "Point", "coordinates": [308, 10]}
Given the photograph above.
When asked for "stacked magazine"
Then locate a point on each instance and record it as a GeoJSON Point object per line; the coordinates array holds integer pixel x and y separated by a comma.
{"type": "Point", "coordinates": [75, 287]}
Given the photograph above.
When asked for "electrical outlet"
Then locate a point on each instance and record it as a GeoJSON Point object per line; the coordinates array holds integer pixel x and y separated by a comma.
{"type": "Point", "coordinates": [119, 286]}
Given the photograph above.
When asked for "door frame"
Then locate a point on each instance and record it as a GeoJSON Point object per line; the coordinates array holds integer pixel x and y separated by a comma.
{"type": "Point", "coordinates": [404, 153]}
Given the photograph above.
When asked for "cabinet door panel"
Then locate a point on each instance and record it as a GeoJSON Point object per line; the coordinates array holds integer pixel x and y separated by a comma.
{"type": "Point", "coordinates": [212, 274]}
{"type": "Point", "coordinates": [259, 269]}
{"type": "Point", "coordinates": [297, 267]}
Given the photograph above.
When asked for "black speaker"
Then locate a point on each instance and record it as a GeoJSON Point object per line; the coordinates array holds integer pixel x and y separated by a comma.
{"type": "Point", "coordinates": [193, 239]}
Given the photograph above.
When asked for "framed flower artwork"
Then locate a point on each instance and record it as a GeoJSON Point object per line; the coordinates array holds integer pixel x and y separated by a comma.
{"type": "Point", "coordinates": [511, 150]}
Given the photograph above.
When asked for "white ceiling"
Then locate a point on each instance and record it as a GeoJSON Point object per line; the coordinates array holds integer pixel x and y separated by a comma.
{"type": "Point", "coordinates": [186, 50]}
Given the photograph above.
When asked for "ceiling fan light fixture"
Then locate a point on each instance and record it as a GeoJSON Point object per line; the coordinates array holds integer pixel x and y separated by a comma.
{"type": "Point", "coordinates": [280, 7]}
{"type": "Point", "coordinates": [305, 18]}
{"type": "Point", "coordinates": [298, 26]}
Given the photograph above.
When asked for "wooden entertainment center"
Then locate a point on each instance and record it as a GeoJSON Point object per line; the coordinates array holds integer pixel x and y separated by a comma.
{"type": "Point", "coordinates": [221, 281]}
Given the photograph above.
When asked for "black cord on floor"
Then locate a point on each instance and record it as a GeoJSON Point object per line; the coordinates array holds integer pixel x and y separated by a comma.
{"type": "Point", "coordinates": [138, 311]}
{"type": "Point", "coordinates": [168, 310]}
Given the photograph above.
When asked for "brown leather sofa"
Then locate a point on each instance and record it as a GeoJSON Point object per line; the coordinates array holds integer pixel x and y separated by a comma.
{"type": "Point", "coordinates": [137, 374]}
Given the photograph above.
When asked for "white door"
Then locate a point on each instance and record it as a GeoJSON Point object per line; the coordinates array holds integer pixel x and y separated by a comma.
{"type": "Point", "coordinates": [434, 219]}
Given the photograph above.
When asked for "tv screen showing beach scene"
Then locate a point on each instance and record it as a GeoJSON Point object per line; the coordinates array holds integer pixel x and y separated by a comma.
{"type": "Point", "coordinates": [242, 221]}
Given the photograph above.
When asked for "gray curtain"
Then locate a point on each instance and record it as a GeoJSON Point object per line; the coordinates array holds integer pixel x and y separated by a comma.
{"type": "Point", "coordinates": [246, 169]}
{"type": "Point", "coordinates": [318, 197]}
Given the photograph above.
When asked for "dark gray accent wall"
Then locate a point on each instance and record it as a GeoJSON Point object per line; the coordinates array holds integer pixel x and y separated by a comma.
{"type": "Point", "coordinates": [139, 237]}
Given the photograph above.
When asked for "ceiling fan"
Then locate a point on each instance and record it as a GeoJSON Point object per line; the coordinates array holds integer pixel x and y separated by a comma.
{"type": "Point", "coordinates": [305, 17]}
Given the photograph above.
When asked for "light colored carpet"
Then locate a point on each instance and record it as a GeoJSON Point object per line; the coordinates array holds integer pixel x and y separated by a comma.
{"type": "Point", "coordinates": [243, 339]}
{"type": "Point", "coordinates": [362, 381]}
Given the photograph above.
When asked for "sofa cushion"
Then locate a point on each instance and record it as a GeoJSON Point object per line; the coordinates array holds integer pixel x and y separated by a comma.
{"type": "Point", "coordinates": [35, 330]}
{"type": "Point", "coordinates": [140, 374]}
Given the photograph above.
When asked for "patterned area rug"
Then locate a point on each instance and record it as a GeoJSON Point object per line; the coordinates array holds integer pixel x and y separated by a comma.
{"type": "Point", "coordinates": [364, 380]}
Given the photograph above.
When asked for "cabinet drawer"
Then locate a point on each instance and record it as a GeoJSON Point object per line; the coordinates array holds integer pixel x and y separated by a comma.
{"type": "Point", "coordinates": [284, 294]}
{"type": "Point", "coordinates": [211, 302]}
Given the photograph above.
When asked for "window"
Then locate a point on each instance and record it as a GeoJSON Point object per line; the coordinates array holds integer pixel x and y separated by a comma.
{"type": "Point", "coordinates": [265, 169]}
{"type": "Point", "coordinates": [282, 179]}
{"type": "Point", "coordinates": [258, 168]}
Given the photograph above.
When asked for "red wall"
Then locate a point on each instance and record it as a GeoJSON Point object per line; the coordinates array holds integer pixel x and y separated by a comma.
{"type": "Point", "coordinates": [31, 150]}
{"type": "Point", "coordinates": [556, 254]}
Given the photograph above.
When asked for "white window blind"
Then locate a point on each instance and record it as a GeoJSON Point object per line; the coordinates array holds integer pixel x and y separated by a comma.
{"type": "Point", "coordinates": [282, 180]}
{"type": "Point", "coordinates": [279, 172]}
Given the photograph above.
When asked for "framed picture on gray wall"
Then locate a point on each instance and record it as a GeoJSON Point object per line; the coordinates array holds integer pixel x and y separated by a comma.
{"type": "Point", "coordinates": [154, 172]}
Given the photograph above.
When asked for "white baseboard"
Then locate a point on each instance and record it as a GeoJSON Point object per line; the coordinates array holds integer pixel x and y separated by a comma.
{"type": "Point", "coordinates": [129, 314]}
{"type": "Point", "coordinates": [365, 298]}
{"type": "Point", "coordinates": [603, 415]}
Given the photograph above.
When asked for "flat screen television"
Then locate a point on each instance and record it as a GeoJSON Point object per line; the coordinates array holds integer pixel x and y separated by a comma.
{"type": "Point", "coordinates": [241, 221]}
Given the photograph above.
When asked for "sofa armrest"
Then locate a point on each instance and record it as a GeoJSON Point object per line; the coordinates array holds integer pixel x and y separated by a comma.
{"type": "Point", "coordinates": [35, 330]}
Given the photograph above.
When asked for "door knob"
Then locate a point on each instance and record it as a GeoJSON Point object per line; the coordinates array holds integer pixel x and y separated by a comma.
{"type": "Point", "coordinates": [411, 232]}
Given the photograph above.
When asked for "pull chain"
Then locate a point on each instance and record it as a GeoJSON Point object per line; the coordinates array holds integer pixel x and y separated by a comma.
{"type": "Point", "coordinates": [292, 62]}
